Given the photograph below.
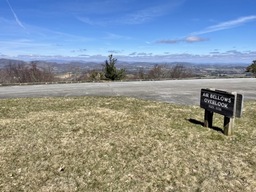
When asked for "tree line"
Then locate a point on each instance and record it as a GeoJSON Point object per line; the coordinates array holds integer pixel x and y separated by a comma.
{"type": "Point", "coordinates": [33, 72]}
{"type": "Point", "coordinates": [111, 72]}
{"type": "Point", "coordinates": [25, 73]}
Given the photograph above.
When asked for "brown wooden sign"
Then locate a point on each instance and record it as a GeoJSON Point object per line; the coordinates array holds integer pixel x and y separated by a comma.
{"type": "Point", "coordinates": [228, 104]}
{"type": "Point", "coordinates": [218, 101]}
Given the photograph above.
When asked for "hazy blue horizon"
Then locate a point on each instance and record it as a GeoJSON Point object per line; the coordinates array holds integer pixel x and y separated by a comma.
{"type": "Point", "coordinates": [120, 61]}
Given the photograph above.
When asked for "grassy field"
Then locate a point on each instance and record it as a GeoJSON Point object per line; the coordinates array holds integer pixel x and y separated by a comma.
{"type": "Point", "coordinates": [122, 144]}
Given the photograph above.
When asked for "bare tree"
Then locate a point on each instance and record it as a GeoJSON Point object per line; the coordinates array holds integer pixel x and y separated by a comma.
{"type": "Point", "coordinates": [163, 71]}
{"type": "Point", "coordinates": [156, 72]}
{"type": "Point", "coordinates": [141, 73]}
{"type": "Point", "coordinates": [91, 75]}
{"type": "Point", "coordinates": [178, 71]}
{"type": "Point", "coordinates": [24, 73]}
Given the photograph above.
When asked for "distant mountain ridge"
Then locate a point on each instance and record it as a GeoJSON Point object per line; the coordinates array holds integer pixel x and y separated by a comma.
{"type": "Point", "coordinates": [198, 69]}
{"type": "Point", "coordinates": [123, 64]}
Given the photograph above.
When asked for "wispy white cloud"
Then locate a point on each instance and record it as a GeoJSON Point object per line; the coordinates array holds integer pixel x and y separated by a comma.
{"type": "Point", "coordinates": [130, 17]}
{"type": "Point", "coordinates": [19, 44]}
{"type": "Point", "coordinates": [227, 25]}
{"type": "Point", "coordinates": [145, 15]}
{"type": "Point", "coordinates": [86, 20]}
{"type": "Point", "coordinates": [15, 16]}
{"type": "Point", "coordinates": [115, 51]}
{"type": "Point", "coordinates": [78, 50]}
{"type": "Point", "coordinates": [233, 56]}
{"type": "Point", "coordinates": [152, 12]}
{"type": "Point", "coordinates": [188, 39]}
{"type": "Point", "coordinates": [194, 39]}
{"type": "Point", "coordinates": [113, 36]}
{"type": "Point", "coordinates": [133, 54]}
{"type": "Point", "coordinates": [10, 31]}
{"type": "Point", "coordinates": [39, 39]}
{"type": "Point", "coordinates": [168, 41]}
{"type": "Point", "coordinates": [95, 7]}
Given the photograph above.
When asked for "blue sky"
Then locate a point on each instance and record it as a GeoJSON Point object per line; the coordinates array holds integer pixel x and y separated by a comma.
{"type": "Point", "coordinates": [132, 30]}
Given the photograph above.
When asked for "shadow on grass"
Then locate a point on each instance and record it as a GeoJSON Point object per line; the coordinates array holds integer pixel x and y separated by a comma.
{"type": "Point", "coordinates": [196, 122]}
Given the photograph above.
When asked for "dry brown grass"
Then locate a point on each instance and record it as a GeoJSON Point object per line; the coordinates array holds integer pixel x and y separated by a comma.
{"type": "Point", "coordinates": [121, 144]}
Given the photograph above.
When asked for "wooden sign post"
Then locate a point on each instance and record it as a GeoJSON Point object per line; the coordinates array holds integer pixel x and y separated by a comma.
{"type": "Point", "coordinates": [228, 104]}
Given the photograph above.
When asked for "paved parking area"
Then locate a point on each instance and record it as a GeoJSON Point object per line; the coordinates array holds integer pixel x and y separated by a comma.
{"type": "Point", "coordinates": [173, 91]}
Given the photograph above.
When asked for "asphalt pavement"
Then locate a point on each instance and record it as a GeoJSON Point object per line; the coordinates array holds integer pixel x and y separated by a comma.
{"type": "Point", "coordinates": [185, 92]}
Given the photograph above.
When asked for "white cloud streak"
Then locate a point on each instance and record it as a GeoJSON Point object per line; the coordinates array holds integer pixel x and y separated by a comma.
{"type": "Point", "coordinates": [188, 39]}
{"type": "Point", "coordinates": [193, 37]}
{"type": "Point", "coordinates": [130, 17]}
{"type": "Point", "coordinates": [15, 16]}
{"type": "Point", "coordinates": [227, 25]}
{"type": "Point", "coordinates": [145, 15]}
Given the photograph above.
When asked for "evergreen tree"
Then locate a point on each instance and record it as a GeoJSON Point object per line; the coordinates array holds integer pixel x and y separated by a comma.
{"type": "Point", "coordinates": [252, 68]}
{"type": "Point", "coordinates": [110, 70]}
